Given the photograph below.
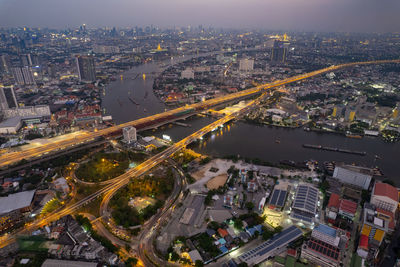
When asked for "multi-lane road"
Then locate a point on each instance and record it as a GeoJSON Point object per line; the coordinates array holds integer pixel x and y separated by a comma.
{"type": "Point", "coordinates": [53, 147]}
{"type": "Point", "coordinates": [109, 190]}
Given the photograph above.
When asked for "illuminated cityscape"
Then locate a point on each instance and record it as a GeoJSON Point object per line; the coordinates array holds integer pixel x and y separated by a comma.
{"type": "Point", "coordinates": [132, 135]}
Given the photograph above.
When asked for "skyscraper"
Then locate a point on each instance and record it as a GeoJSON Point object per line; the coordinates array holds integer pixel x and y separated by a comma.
{"type": "Point", "coordinates": [5, 63]}
{"type": "Point", "coordinates": [279, 51]}
{"type": "Point", "coordinates": [18, 76]}
{"type": "Point", "coordinates": [7, 98]}
{"type": "Point", "coordinates": [26, 60]}
{"type": "Point", "coordinates": [246, 64]}
{"type": "Point", "coordinates": [86, 68]}
{"type": "Point", "coordinates": [129, 134]}
{"type": "Point", "coordinates": [23, 75]}
{"type": "Point", "coordinates": [28, 75]}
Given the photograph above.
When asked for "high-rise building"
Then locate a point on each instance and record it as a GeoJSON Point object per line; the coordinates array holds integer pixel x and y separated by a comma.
{"type": "Point", "coordinates": [5, 63]}
{"type": "Point", "coordinates": [279, 51]}
{"type": "Point", "coordinates": [28, 75]}
{"type": "Point", "coordinates": [129, 134]}
{"type": "Point", "coordinates": [18, 76]}
{"type": "Point", "coordinates": [26, 60]}
{"type": "Point", "coordinates": [246, 64]}
{"type": "Point", "coordinates": [7, 98]}
{"type": "Point", "coordinates": [23, 75]}
{"type": "Point", "coordinates": [86, 68]}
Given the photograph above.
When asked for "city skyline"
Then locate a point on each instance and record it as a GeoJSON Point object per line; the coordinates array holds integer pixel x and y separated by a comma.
{"type": "Point", "coordinates": [193, 133]}
{"type": "Point", "coordinates": [292, 15]}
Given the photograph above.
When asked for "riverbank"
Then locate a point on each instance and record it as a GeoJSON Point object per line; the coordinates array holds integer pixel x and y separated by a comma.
{"type": "Point", "coordinates": [250, 140]}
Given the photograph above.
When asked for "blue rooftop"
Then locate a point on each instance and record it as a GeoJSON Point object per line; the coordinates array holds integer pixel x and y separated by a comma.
{"type": "Point", "coordinates": [323, 228]}
{"type": "Point", "coordinates": [223, 249]}
{"type": "Point", "coordinates": [251, 231]}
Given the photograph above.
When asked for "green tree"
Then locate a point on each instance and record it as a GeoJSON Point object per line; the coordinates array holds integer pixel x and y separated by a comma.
{"type": "Point", "coordinates": [198, 263]}
{"type": "Point", "coordinates": [238, 224]}
{"type": "Point", "coordinates": [249, 206]}
{"type": "Point", "coordinates": [131, 261]}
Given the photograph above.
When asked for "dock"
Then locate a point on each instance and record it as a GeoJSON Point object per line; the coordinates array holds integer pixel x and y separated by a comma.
{"type": "Point", "coordinates": [335, 149]}
{"type": "Point", "coordinates": [181, 124]}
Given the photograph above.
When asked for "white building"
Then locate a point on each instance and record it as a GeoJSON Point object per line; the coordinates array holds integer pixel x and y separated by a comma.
{"type": "Point", "coordinates": [327, 234]}
{"type": "Point", "coordinates": [129, 134]}
{"type": "Point", "coordinates": [61, 185]}
{"type": "Point", "coordinates": [385, 196]}
{"type": "Point", "coordinates": [353, 177]}
{"type": "Point", "coordinates": [29, 111]}
{"type": "Point", "coordinates": [246, 64]}
{"type": "Point", "coordinates": [187, 74]}
{"type": "Point", "coordinates": [323, 248]}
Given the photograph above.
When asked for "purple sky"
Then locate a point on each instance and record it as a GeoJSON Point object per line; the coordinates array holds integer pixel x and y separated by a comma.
{"type": "Point", "coordinates": [310, 15]}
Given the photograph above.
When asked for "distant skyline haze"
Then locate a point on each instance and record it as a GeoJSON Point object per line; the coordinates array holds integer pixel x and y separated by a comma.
{"type": "Point", "coordinates": [290, 15]}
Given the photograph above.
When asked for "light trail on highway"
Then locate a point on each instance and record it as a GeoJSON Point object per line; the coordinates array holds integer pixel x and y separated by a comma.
{"type": "Point", "coordinates": [109, 190]}
{"type": "Point", "coordinates": [15, 157]}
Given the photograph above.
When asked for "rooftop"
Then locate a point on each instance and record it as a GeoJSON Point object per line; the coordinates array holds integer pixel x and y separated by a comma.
{"type": "Point", "coordinates": [282, 239]}
{"type": "Point", "coordinates": [16, 201]}
{"type": "Point", "coordinates": [278, 198]}
{"type": "Point", "coordinates": [383, 189]}
{"type": "Point", "coordinates": [324, 248]}
{"type": "Point", "coordinates": [11, 122]}
{"type": "Point", "coordinates": [334, 201]}
{"type": "Point", "coordinates": [306, 198]}
{"type": "Point", "coordinates": [63, 263]}
{"type": "Point", "coordinates": [326, 230]}
{"type": "Point", "coordinates": [348, 206]}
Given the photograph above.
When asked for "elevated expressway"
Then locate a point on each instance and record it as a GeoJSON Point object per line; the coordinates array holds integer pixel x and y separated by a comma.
{"type": "Point", "coordinates": [109, 190]}
{"type": "Point", "coordinates": [164, 117]}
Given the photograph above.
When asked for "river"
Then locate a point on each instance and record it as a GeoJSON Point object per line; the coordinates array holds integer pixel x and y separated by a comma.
{"type": "Point", "coordinates": [240, 138]}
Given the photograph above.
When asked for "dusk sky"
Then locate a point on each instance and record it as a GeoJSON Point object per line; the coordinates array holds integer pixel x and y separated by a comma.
{"type": "Point", "coordinates": [309, 15]}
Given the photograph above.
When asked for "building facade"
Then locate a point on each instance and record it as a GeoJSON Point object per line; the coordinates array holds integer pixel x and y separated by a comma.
{"type": "Point", "coordinates": [86, 68]}
{"type": "Point", "coordinates": [129, 134]}
{"type": "Point", "coordinates": [246, 64]}
{"type": "Point", "coordinates": [385, 196]}
{"type": "Point", "coordinates": [7, 98]}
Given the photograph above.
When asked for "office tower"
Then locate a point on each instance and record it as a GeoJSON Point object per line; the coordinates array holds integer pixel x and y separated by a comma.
{"type": "Point", "coordinates": [279, 51]}
{"type": "Point", "coordinates": [25, 60]}
{"type": "Point", "coordinates": [5, 63]}
{"type": "Point", "coordinates": [86, 68]}
{"type": "Point", "coordinates": [23, 75]}
{"type": "Point", "coordinates": [129, 134]}
{"type": "Point", "coordinates": [28, 75]}
{"type": "Point", "coordinates": [29, 60]}
{"type": "Point", "coordinates": [18, 76]}
{"type": "Point", "coordinates": [246, 64]}
{"type": "Point", "coordinates": [7, 98]}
